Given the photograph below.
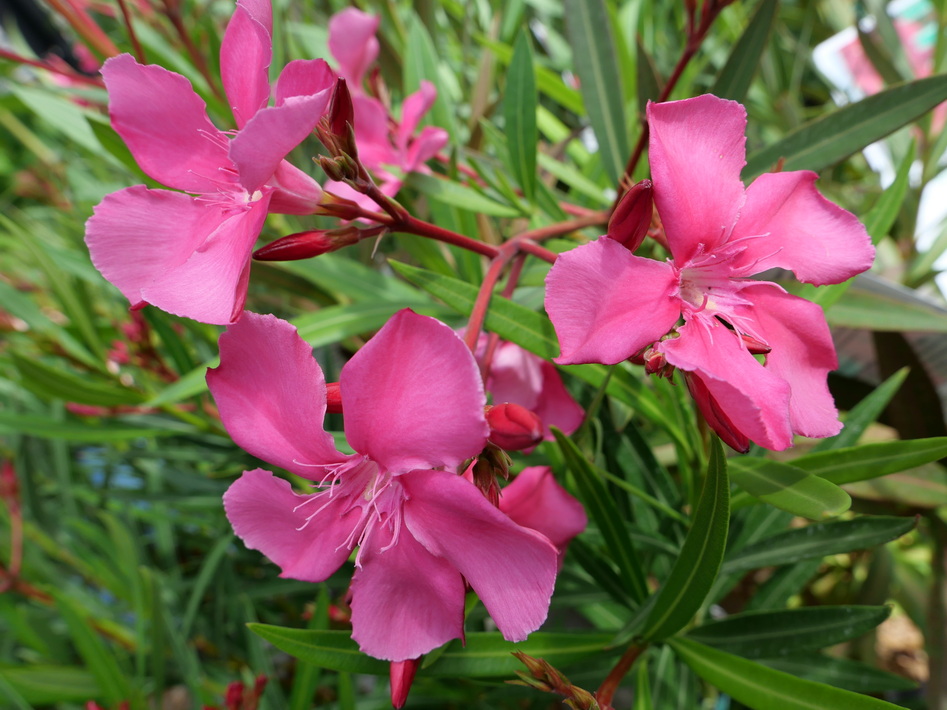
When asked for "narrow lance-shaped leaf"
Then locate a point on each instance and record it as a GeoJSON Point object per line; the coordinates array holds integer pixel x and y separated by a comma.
{"type": "Point", "coordinates": [696, 567]}
{"type": "Point", "coordinates": [762, 688]}
{"type": "Point", "coordinates": [818, 540]}
{"type": "Point", "coordinates": [771, 634]}
{"type": "Point", "coordinates": [596, 64]}
{"type": "Point", "coordinates": [734, 79]}
{"type": "Point", "coordinates": [837, 135]}
{"type": "Point", "coordinates": [421, 63]}
{"type": "Point", "coordinates": [519, 111]}
{"type": "Point", "coordinates": [860, 463]}
{"type": "Point", "coordinates": [602, 509]}
{"type": "Point", "coordinates": [789, 488]}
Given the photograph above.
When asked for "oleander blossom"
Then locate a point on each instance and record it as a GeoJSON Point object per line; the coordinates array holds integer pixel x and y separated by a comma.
{"type": "Point", "coordinates": [389, 148]}
{"type": "Point", "coordinates": [607, 304]}
{"type": "Point", "coordinates": [413, 403]}
{"type": "Point", "coordinates": [188, 252]}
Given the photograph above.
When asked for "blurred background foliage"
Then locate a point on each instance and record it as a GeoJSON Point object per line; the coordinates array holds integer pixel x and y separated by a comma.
{"type": "Point", "coordinates": [122, 581]}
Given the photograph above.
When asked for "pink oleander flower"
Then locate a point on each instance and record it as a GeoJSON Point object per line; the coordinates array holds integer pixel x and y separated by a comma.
{"type": "Point", "coordinates": [520, 377]}
{"type": "Point", "coordinates": [413, 404]}
{"type": "Point", "coordinates": [189, 254]}
{"type": "Point", "coordinates": [535, 500]}
{"type": "Point", "coordinates": [607, 304]}
{"type": "Point", "coordinates": [383, 143]}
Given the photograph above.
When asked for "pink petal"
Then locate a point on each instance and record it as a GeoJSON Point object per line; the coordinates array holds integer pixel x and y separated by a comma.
{"type": "Point", "coordinates": [511, 568]}
{"type": "Point", "coordinates": [414, 108]}
{"type": "Point", "coordinates": [556, 406]}
{"type": "Point", "coordinates": [136, 236]}
{"type": "Point", "coordinates": [515, 376]}
{"type": "Point", "coordinates": [801, 230]}
{"type": "Point", "coordinates": [245, 55]}
{"type": "Point", "coordinates": [353, 44]}
{"type": "Point", "coordinates": [268, 516]}
{"type": "Point", "coordinates": [413, 397]}
{"type": "Point", "coordinates": [535, 500]}
{"type": "Point", "coordinates": [405, 601]}
{"type": "Point", "coordinates": [261, 11]}
{"type": "Point", "coordinates": [803, 355]}
{"type": "Point", "coordinates": [211, 286]}
{"type": "Point", "coordinates": [271, 134]}
{"type": "Point", "coordinates": [606, 303]}
{"type": "Point", "coordinates": [429, 143]}
{"type": "Point", "coordinates": [303, 77]}
{"type": "Point", "coordinates": [755, 399]}
{"type": "Point", "coordinates": [294, 192]}
{"type": "Point", "coordinates": [271, 394]}
{"type": "Point", "coordinates": [697, 150]}
{"type": "Point", "coordinates": [165, 125]}
{"type": "Point", "coordinates": [371, 133]}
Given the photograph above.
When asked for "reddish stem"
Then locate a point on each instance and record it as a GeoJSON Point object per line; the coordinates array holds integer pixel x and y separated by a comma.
{"type": "Point", "coordinates": [85, 26]}
{"type": "Point", "coordinates": [478, 313]}
{"type": "Point", "coordinates": [695, 37]}
{"type": "Point", "coordinates": [606, 691]}
{"type": "Point", "coordinates": [174, 16]}
{"type": "Point", "coordinates": [65, 70]}
{"type": "Point", "coordinates": [132, 35]}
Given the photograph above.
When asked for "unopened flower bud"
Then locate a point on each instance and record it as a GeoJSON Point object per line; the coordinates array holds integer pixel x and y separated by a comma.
{"type": "Point", "coordinates": [332, 169]}
{"type": "Point", "coordinates": [632, 217]}
{"type": "Point", "coordinates": [335, 206]}
{"type": "Point", "coordinates": [754, 345]}
{"type": "Point", "coordinates": [401, 674]}
{"type": "Point", "coordinates": [305, 245]}
{"type": "Point", "coordinates": [654, 361]}
{"type": "Point", "coordinates": [513, 427]}
{"type": "Point", "coordinates": [333, 398]}
{"type": "Point", "coordinates": [715, 417]}
{"type": "Point", "coordinates": [341, 112]}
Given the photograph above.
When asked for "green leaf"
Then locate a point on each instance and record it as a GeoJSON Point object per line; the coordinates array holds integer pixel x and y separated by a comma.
{"type": "Point", "coordinates": [422, 63]}
{"type": "Point", "coordinates": [456, 195]}
{"type": "Point", "coordinates": [735, 78]}
{"type": "Point", "coordinates": [695, 569]}
{"type": "Point", "coordinates": [871, 310]}
{"type": "Point", "coordinates": [335, 323]}
{"type": "Point", "coordinates": [840, 672]}
{"type": "Point", "coordinates": [835, 136]}
{"type": "Point", "coordinates": [860, 463]}
{"type": "Point", "coordinates": [61, 113]}
{"type": "Point", "coordinates": [818, 540]}
{"type": "Point", "coordinates": [45, 685]}
{"type": "Point", "coordinates": [57, 383]}
{"type": "Point", "coordinates": [596, 65]}
{"type": "Point", "coordinates": [602, 509]}
{"type": "Point", "coordinates": [111, 678]}
{"type": "Point", "coordinates": [771, 634]}
{"type": "Point", "coordinates": [789, 488]}
{"type": "Point", "coordinates": [47, 428]}
{"type": "Point", "coordinates": [485, 655]}
{"type": "Point", "coordinates": [922, 488]}
{"type": "Point", "coordinates": [762, 688]}
{"type": "Point", "coordinates": [864, 413]}
{"type": "Point", "coordinates": [646, 74]}
{"type": "Point", "coordinates": [519, 111]}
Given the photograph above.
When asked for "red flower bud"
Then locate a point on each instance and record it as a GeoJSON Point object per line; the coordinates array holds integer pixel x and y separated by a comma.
{"type": "Point", "coordinates": [756, 347]}
{"type": "Point", "coordinates": [305, 245]}
{"type": "Point", "coordinates": [333, 398]}
{"type": "Point", "coordinates": [513, 427]}
{"type": "Point", "coordinates": [632, 217]}
{"type": "Point", "coordinates": [401, 674]}
{"type": "Point", "coordinates": [341, 112]}
{"type": "Point", "coordinates": [715, 416]}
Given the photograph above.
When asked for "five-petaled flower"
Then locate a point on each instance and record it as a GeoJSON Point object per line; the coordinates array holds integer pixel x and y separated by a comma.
{"type": "Point", "coordinates": [607, 304]}
{"type": "Point", "coordinates": [189, 254]}
{"type": "Point", "coordinates": [413, 402]}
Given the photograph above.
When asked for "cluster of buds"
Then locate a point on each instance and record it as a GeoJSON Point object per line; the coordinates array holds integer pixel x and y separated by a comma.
{"type": "Point", "coordinates": [544, 677]}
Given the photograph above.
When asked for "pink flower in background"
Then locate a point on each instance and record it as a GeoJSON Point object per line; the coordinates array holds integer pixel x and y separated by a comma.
{"type": "Point", "coordinates": [189, 254]}
{"type": "Point", "coordinates": [383, 143]}
{"type": "Point", "coordinates": [535, 500]}
{"type": "Point", "coordinates": [413, 404]}
{"type": "Point", "coordinates": [522, 378]}
{"type": "Point", "coordinates": [607, 304]}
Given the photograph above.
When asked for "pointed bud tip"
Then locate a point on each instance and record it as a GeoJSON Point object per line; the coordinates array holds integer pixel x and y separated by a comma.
{"type": "Point", "coordinates": [305, 245]}
{"type": "Point", "coordinates": [513, 427]}
{"type": "Point", "coordinates": [401, 674]}
{"type": "Point", "coordinates": [632, 217]}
